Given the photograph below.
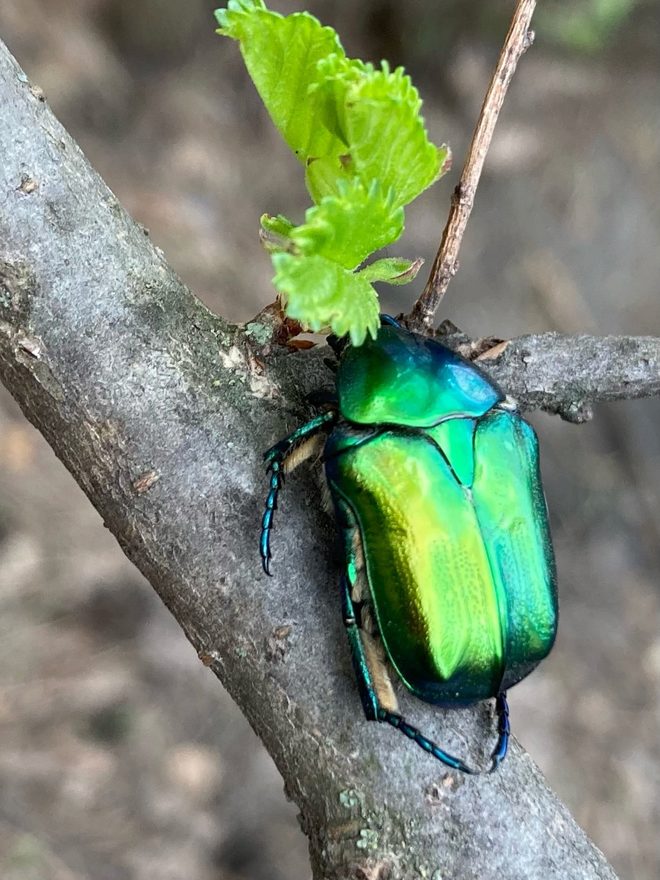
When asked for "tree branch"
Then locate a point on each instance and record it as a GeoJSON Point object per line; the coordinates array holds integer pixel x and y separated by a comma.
{"type": "Point", "coordinates": [445, 265]}
{"type": "Point", "coordinates": [565, 375]}
{"type": "Point", "coordinates": [160, 410]}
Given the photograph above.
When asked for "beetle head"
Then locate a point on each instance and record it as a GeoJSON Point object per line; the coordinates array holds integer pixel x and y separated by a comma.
{"type": "Point", "coordinates": [338, 344]}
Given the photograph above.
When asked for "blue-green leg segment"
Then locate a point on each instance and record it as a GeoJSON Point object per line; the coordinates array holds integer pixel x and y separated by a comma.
{"type": "Point", "coordinates": [504, 731]}
{"type": "Point", "coordinates": [370, 702]}
{"type": "Point", "coordinates": [275, 458]}
{"type": "Point", "coordinates": [368, 695]}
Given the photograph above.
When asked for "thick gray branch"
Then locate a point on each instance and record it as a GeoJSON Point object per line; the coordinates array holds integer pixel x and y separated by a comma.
{"type": "Point", "coordinates": [566, 375]}
{"type": "Point", "coordinates": [160, 410]}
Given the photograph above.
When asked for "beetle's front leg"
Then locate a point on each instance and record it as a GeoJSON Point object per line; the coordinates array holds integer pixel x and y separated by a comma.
{"type": "Point", "coordinates": [282, 458]}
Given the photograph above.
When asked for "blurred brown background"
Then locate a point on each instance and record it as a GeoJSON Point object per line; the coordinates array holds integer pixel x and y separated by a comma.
{"type": "Point", "coordinates": [120, 756]}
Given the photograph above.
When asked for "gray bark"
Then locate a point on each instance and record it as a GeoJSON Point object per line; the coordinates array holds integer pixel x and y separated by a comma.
{"type": "Point", "coordinates": [161, 411]}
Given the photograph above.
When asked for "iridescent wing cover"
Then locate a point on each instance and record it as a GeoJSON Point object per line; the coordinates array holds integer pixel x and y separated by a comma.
{"type": "Point", "coordinates": [457, 549]}
{"type": "Point", "coordinates": [513, 517]}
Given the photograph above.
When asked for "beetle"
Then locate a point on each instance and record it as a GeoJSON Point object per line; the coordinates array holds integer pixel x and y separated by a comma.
{"type": "Point", "coordinates": [449, 573]}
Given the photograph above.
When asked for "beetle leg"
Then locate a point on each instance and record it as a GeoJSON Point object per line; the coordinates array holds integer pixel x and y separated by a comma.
{"type": "Point", "coordinates": [375, 657]}
{"type": "Point", "coordinates": [327, 502]}
{"type": "Point", "coordinates": [423, 742]}
{"type": "Point", "coordinates": [366, 687]}
{"type": "Point", "coordinates": [373, 709]}
{"type": "Point", "coordinates": [376, 660]}
{"type": "Point", "coordinates": [312, 447]}
{"type": "Point", "coordinates": [359, 587]}
{"type": "Point", "coordinates": [503, 729]}
{"type": "Point", "coordinates": [276, 459]}
{"type": "Point", "coordinates": [367, 651]}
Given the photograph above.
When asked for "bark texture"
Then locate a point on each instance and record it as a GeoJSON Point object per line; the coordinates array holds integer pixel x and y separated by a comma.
{"type": "Point", "coordinates": [161, 412]}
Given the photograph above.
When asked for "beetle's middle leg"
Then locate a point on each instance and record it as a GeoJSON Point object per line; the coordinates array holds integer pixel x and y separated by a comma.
{"type": "Point", "coordinates": [281, 459]}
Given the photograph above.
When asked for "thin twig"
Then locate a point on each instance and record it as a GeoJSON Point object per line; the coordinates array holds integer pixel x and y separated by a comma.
{"type": "Point", "coordinates": [445, 265]}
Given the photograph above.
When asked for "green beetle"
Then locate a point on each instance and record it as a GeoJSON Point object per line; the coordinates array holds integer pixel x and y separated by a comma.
{"type": "Point", "coordinates": [449, 570]}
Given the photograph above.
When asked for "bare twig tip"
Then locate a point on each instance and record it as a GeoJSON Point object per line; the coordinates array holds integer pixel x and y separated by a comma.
{"type": "Point", "coordinates": [519, 38]}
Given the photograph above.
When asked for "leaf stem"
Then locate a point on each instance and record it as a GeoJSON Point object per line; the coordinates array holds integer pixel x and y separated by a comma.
{"type": "Point", "coordinates": [445, 265]}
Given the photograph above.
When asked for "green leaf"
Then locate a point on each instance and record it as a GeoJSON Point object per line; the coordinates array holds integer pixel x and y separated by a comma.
{"type": "Point", "coordinates": [320, 293]}
{"type": "Point", "coordinates": [375, 113]}
{"type": "Point", "coordinates": [279, 226]}
{"type": "Point", "coordinates": [392, 270]}
{"type": "Point", "coordinates": [275, 233]}
{"type": "Point", "coordinates": [324, 175]}
{"type": "Point", "coordinates": [282, 55]}
{"type": "Point", "coordinates": [343, 118]}
{"type": "Point", "coordinates": [358, 131]}
{"type": "Point", "coordinates": [349, 226]}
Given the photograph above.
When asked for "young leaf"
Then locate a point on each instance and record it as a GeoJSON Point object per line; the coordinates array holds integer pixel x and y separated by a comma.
{"type": "Point", "coordinates": [392, 270]}
{"type": "Point", "coordinates": [376, 114]}
{"type": "Point", "coordinates": [320, 293]}
{"type": "Point", "coordinates": [275, 233]}
{"type": "Point", "coordinates": [347, 227]}
{"type": "Point", "coordinates": [325, 174]}
{"type": "Point", "coordinates": [282, 55]}
{"type": "Point", "coordinates": [342, 118]}
{"type": "Point", "coordinates": [279, 226]}
{"type": "Point", "coordinates": [357, 130]}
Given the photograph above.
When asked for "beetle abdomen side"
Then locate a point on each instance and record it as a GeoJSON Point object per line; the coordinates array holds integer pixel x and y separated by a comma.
{"type": "Point", "coordinates": [428, 570]}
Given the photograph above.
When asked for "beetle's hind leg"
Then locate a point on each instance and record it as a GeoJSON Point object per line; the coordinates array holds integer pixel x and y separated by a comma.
{"type": "Point", "coordinates": [503, 730]}
{"type": "Point", "coordinates": [281, 459]}
{"type": "Point", "coordinates": [367, 680]}
{"type": "Point", "coordinates": [376, 692]}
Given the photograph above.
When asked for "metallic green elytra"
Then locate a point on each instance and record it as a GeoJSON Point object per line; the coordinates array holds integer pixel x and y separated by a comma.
{"type": "Point", "coordinates": [450, 574]}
